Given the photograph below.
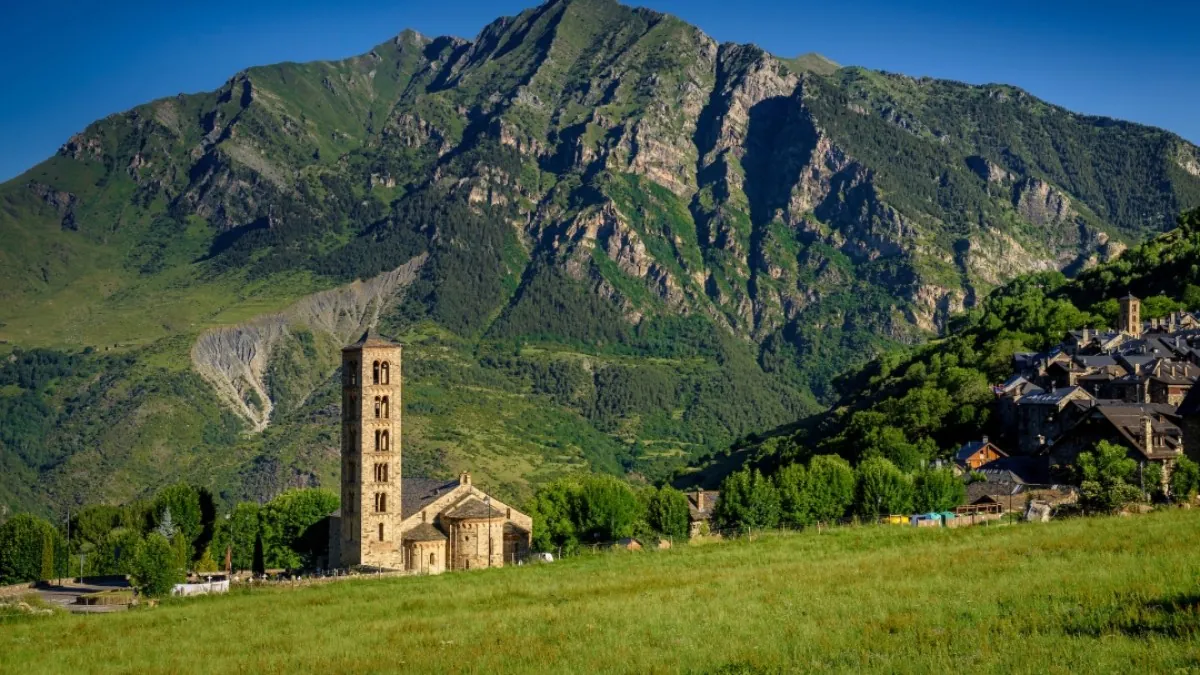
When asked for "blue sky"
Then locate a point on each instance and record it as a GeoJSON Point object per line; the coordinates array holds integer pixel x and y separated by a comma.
{"type": "Point", "coordinates": [65, 64]}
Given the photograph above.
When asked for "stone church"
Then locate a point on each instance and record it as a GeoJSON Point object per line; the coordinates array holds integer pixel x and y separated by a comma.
{"type": "Point", "coordinates": [387, 521]}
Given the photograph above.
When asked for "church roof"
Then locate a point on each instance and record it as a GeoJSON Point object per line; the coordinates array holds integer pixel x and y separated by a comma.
{"type": "Point", "coordinates": [417, 493]}
{"type": "Point", "coordinates": [371, 338]}
{"type": "Point", "coordinates": [424, 532]}
{"type": "Point", "coordinates": [473, 508]}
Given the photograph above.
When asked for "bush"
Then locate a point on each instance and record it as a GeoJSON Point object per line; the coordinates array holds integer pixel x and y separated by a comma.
{"type": "Point", "coordinates": [830, 488]}
{"type": "Point", "coordinates": [607, 509]}
{"type": "Point", "coordinates": [667, 512]}
{"type": "Point", "coordinates": [31, 550]}
{"type": "Point", "coordinates": [882, 488]}
{"type": "Point", "coordinates": [1105, 474]}
{"type": "Point", "coordinates": [1185, 480]}
{"type": "Point", "coordinates": [748, 500]}
{"type": "Point", "coordinates": [156, 569]}
{"type": "Point", "coordinates": [937, 490]}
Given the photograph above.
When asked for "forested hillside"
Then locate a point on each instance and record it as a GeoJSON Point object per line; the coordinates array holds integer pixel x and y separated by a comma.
{"type": "Point", "coordinates": [911, 407]}
{"type": "Point", "coordinates": [609, 243]}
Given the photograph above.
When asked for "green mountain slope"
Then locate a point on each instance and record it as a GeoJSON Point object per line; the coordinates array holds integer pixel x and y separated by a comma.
{"type": "Point", "coordinates": [915, 406]}
{"type": "Point", "coordinates": [610, 242]}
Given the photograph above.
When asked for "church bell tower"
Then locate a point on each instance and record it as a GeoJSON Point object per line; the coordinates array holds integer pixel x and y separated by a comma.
{"type": "Point", "coordinates": [370, 514]}
{"type": "Point", "coordinates": [1130, 319]}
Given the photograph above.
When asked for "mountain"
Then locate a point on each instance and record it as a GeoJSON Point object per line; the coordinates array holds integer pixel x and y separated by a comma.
{"type": "Point", "coordinates": [608, 242]}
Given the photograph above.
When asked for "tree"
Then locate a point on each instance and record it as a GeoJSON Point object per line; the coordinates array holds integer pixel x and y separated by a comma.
{"type": "Point", "coordinates": [242, 531]}
{"type": "Point", "coordinates": [31, 549]}
{"type": "Point", "coordinates": [830, 487]}
{"type": "Point", "coordinates": [92, 524]}
{"type": "Point", "coordinates": [607, 509]}
{"type": "Point", "coordinates": [295, 527]}
{"type": "Point", "coordinates": [1105, 475]}
{"type": "Point", "coordinates": [156, 569]}
{"type": "Point", "coordinates": [937, 490]}
{"type": "Point", "coordinates": [1185, 480]}
{"type": "Point", "coordinates": [667, 512]}
{"type": "Point", "coordinates": [118, 552]}
{"type": "Point", "coordinates": [747, 500]}
{"type": "Point", "coordinates": [182, 502]}
{"type": "Point", "coordinates": [882, 488]}
{"type": "Point", "coordinates": [552, 511]}
{"type": "Point", "coordinates": [792, 483]}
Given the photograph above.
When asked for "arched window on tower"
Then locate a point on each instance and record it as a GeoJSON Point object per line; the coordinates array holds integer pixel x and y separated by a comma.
{"type": "Point", "coordinates": [384, 370]}
{"type": "Point", "coordinates": [375, 373]}
{"type": "Point", "coordinates": [381, 502]}
{"type": "Point", "coordinates": [385, 407]}
{"type": "Point", "coordinates": [351, 404]}
{"type": "Point", "coordinates": [383, 436]}
{"type": "Point", "coordinates": [352, 372]}
{"type": "Point", "coordinates": [378, 441]}
{"type": "Point", "coordinates": [381, 532]}
{"type": "Point", "coordinates": [377, 407]}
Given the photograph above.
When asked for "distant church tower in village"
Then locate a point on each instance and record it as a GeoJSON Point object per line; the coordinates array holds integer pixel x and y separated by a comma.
{"type": "Point", "coordinates": [370, 452]}
{"type": "Point", "coordinates": [412, 524]}
{"type": "Point", "coordinates": [1130, 319]}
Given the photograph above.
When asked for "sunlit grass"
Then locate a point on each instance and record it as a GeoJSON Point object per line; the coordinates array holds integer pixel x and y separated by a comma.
{"type": "Point", "coordinates": [1100, 595]}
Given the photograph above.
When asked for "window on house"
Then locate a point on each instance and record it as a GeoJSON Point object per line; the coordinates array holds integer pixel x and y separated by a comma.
{"type": "Point", "coordinates": [432, 558]}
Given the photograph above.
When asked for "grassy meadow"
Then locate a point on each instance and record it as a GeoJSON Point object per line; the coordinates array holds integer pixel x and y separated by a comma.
{"type": "Point", "coordinates": [1087, 595]}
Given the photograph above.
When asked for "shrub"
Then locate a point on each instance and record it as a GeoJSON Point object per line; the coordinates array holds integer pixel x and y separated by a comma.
{"type": "Point", "coordinates": [882, 488]}
{"type": "Point", "coordinates": [747, 500]}
{"type": "Point", "coordinates": [937, 490]}
{"type": "Point", "coordinates": [667, 512]}
{"type": "Point", "coordinates": [156, 569]}
{"type": "Point", "coordinates": [30, 550]}
{"type": "Point", "coordinates": [830, 487]}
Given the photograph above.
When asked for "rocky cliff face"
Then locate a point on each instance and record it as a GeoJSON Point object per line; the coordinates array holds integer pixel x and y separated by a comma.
{"type": "Point", "coordinates": [596, 178]}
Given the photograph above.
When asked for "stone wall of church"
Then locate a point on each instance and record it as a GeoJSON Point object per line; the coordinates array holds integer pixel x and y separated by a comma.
{"type": "Point", "coordinates": [477, 543]}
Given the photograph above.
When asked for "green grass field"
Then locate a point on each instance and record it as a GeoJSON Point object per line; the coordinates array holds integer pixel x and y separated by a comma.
{"type": "Point", "coordinates": [1094, 595]}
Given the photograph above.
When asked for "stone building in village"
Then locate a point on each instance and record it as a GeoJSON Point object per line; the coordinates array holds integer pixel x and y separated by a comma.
{"type": "Point", "coordinates": [388, 521]}
{"type": "Point", "coordinates": [1127, 386]}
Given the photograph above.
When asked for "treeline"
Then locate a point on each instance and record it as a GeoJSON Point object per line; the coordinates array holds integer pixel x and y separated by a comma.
{"type": "Point", "coordinates": [826, 489]}
{"type": "Point", "coordinates": [579, 511]}
{"type": "Point", "coordinates": [157, 541]}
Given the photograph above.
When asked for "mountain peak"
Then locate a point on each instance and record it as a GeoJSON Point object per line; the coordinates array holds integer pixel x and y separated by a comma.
{"type": "Point", "coordinates": [812, 62]}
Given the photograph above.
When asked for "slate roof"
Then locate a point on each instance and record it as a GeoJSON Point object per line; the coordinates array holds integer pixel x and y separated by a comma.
{"type": "Point", "coordinates": [710, 501]}
{"type": "Point", "coordinates": [964, 453]}
{"type": "Point", "coordinates": [417, 493]}
{"type": "Point", "coordinates": [1050, 397]}
{"type": "Point", "coordinates": [1095, 361]}
{"type": "Point", "coordinates": [371, 338]}
{"type": "Point", "coordinates": [424, 532]}
{"type": "Point", "coordinates": [1026, 470]}
{"type": "Point", "coordinates": [473, 508]}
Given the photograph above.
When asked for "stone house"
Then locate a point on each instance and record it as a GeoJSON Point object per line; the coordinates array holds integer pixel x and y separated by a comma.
{"type": "Point", "coordinates": [700, 511]}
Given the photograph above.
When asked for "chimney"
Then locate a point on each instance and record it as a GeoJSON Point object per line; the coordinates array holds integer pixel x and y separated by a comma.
{"type": "Point", "coordinates": [1148, 434]}
{"type": "Point", "coordinates": [464, 478]}
{"type": "Point", "coordinates": [985, 440]}
{"type": "Point", "coordinates": [1086, 337]}
{"type": "Point", "coordinates": [700, 500]}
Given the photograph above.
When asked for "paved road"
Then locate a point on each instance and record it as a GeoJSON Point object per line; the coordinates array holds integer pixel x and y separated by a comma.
{"type": "Point", "coordinates": [64, 596]}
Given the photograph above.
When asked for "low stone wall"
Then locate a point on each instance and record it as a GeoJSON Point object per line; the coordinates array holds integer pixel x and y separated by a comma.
{"type": "Point", "coordinates": [17, 589]}
{"type": "Point", "coordinates": [977, 519]}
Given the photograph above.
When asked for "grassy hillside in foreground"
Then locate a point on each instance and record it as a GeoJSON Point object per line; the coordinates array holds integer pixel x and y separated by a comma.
{"type": "Point", "coordinates": [1087, 595]}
